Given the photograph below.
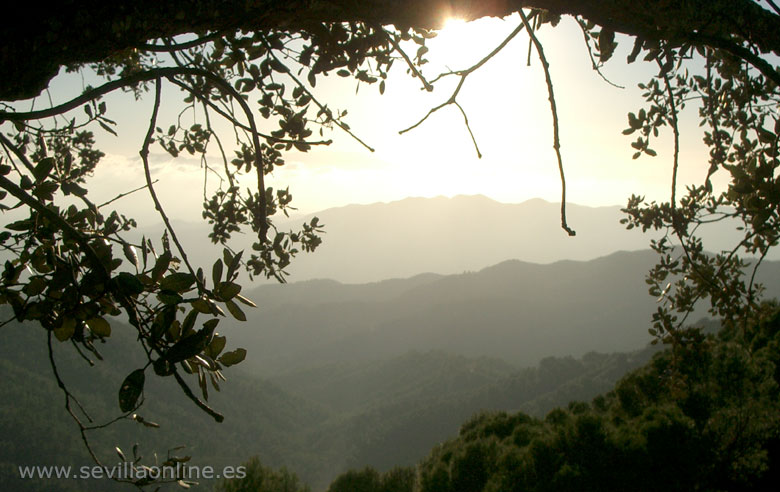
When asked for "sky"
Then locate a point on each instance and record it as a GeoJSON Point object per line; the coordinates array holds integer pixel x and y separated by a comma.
{"type": "Point", "coordinates": [507, 105]}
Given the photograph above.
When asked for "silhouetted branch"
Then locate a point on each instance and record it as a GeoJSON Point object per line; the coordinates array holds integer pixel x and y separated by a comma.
{"type": "Point", "coordinates": [317, 102]}
{"type": "Point", "coordinates": [426, 85]}
{"type": "Point", "coordinates": [188, 392]}
{"type": "Point", "coordinates": [593, 63]}
{"type": "Point", "coordinates": [8, 145]}
{"type": "Point", "coordinates": [774, 6]}
{"type": "Point", "coordinates": [172, 47]}
{"type": "Point", "coordinates": [468, 127]}
{"type": "Point", "coordinates": [676, 131]}
{"type": "Point", "coordinates": [126, 193]}
{"type": "Point", "coordinates": [157, 205]}
{"type": "Point", "coordinates": [553, 109]}
{"type": "Point", "coordinates": [463, 75]}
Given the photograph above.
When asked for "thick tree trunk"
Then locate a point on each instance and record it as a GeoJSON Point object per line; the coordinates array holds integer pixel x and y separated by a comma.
{"type": "Point", "coordinates": [38, 41]}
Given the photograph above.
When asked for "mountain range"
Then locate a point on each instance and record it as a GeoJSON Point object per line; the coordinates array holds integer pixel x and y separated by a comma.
{"type": "Point", "coordinates": [369, 243]}
{"type": "Point", "coordinates": [516, 311]}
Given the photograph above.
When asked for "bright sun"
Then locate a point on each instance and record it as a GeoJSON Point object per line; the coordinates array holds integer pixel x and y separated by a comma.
{"type": "Point", "coordinates": [453, 23]}
{"type": "Point", "coordinates": [460, 42]}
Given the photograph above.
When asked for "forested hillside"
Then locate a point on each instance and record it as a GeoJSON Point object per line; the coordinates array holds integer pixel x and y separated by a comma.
{"type": "Point", "coordinates": [704, 416]}
{"type": "Point", "coordinates": [316, 422]}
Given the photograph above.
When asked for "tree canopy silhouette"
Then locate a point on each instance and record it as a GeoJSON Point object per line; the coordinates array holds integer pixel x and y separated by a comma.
{"type": "Point", "coordinates": [66, 269]}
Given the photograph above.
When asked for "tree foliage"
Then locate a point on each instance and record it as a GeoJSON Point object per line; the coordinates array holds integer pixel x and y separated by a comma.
{"type": "Point", "coordinates": [370, 480]}
{"type": "Point", "coordinates": [259, 478]}
{"type": "Point", "coordinates": [700, 416]}
{"type": "Point", "coordinates": [72, 263]}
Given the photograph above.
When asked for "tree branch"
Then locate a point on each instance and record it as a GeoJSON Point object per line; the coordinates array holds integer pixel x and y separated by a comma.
{"type": "Point", "coordinates": [149, 184]}
{"type": "Point", "coordinates": [554, 110]}
{"type": "Point", "coordinates": [463, 75]}
{"type": "Point", "coordinates": [97, 29]}
{"type": "Point", "coordinates": [676, 131]}
{"type": "Point", "coordinates": [426, 85]}
{"type": "Point", "coordinates": [172, 47]}
{"type": "Point", "coordinates": [319, 104]}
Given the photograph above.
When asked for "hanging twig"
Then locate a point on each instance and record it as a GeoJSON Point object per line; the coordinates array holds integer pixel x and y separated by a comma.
{"type": "Point", "coordinates": [593, 63]}
{"type": "Point", "coordinates": [68, 398]}
{"type": "Point", "coordinates": [228, 174]}
{"type": "Point", "coordinates": [676, 131]}
{"type": "Point", "coordinates": [157, 205]}
{"type": "Point", "coordinates": [468, 127]}
{"type": "Point", "coordinates": [556, 136]}
{"type": "Point", "coordinates": [530, 43]}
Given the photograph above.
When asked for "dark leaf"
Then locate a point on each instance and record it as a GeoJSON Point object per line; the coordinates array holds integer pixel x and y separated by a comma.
{"type": "Point", "coordinates": [193, 344]}
{"type": "Point", "coordinates": [131, 390]}
{"type": "Point", "coordinates": [235, 310]}
{"type": "Point", "coordinates": [43, 168]}
{"type": "Point", "coordinates": [216, 272]}
{"type": "Point", "coordinates": [99, 326]}
{"type": "Point", "coordinates": [228, 290]}
{"type": "Point", "coordinates": [160, 266]}
{"type": "Point", "coordinates": [178, 282]}
{"type": "Point", "coordinates": [234, 357]}
{"type": "Point", "coordinates": [129, 284]}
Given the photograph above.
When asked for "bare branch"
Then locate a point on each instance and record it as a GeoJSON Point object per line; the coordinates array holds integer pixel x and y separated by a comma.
{"type": "Point", "coordinates": [676, 131]}
{"type": "Point", "coordinates": [157, 205]}
{"type": "Point", "coordinates": [188, 392]}
{"type": "Point", "coordinates": [553, 109]}
{"type": "Point", "coordinates": [463, 75]}
{"type": "Point", "coordinates": [468, 127]}
{"type": "Point", "coordinates": [126, 193]}
{"type": "Point", "coordinates": [173, 47]}
{"type": "Point", "coordinates": [68, 398]}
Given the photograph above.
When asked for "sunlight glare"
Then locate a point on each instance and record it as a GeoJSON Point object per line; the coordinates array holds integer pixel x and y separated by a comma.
{"type": "Point", "coordinates": [453, 23]}
{"type": "Point", "coordinates": [462, 43]}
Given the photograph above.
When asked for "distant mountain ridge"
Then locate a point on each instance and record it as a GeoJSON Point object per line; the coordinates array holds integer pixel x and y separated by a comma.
{"type": "Point", "coordinates": [366, 243]}
{"type": "Point", "coordinates": [369, 243]}
{"type": "Point", "coordinates": [516, 311]}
